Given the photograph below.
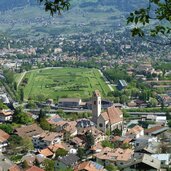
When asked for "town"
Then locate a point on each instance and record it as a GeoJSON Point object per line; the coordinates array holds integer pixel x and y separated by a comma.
{"type": "Point", "coordinates": [124, 126]}
{"type": "Point", "coordinates": [79, 91]}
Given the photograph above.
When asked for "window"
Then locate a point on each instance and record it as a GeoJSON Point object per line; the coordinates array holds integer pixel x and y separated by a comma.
{"type": "Point", "coordinates": [100, 125]}
{"type": "Point", "coordinates": [94, 102]}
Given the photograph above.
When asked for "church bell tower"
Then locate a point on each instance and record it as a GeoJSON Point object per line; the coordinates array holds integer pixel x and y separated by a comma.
{"type": "Point", "coordinates": [96, 105]}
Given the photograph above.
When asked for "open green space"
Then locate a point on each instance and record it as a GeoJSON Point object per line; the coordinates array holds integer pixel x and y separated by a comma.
{"type": "Point", "coordinates": [63, 82]}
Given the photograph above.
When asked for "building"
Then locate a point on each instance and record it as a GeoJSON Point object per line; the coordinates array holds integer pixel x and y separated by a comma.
{"type": "Point", "coordinates": [135, 132]}
{"type": "Point", "coordinates": [165, 159]}
{"type": "Point", "coordinates": [67, 161]}
{"type": "Point", "coordinates": [118, 156]}
{"type": "Point", "coordinates": [29, 131]}
{"type": "Point", "coordinates": [7, 165]}
{"type": "Point", "coordinates": [4, 98]}
{"type": "Point", "coordinates": [84, 123]}
{"type": "Point", "coordinates": [146, 162]}
{"type": "Point", "coordinates": [96, 133]}
{"type": "Point", "coordinates": [89, 166]}
{"type": "Point", "coordinates": [6, 115]}
{"type": "Point", "coordinates": [121, 84]}
{"type": "Point", "coordinates": [96, 106]}
{"type": "Point", "coordinates": [109, 120]}
{"type": "Point", "coordinates": [3, 140]}
{"type": "Point", "coordinates": [156, 130]}
{"type": "Point", "coordinates": [69, 102]}
{"type": "Point", "coordinates": [46, 139]}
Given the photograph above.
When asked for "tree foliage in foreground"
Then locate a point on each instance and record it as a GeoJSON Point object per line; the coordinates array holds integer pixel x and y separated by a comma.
{"type": "Point", "coordinates": [55, 6]}
{"type": "Point", "coordinates": [157, 10]}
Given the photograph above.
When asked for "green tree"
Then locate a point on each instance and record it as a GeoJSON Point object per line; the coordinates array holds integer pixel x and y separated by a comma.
{"type": "Point", "coordinates": [145, 16]}
{"type": "Point", "coordinates": [117, 132]}
{"type": "Point", "coordinates": [22, 118]}
{"type": "Point", "coordinates": [42, 115]}
{"type": "Point", "coordinates": [111, 168]}
{"type": "Point", "coordinates": [55, 6]}
{"type": "Point", "coordinates": [9, 76]}
{"type": "Point", "coordinates": [48, 164]}
{"type": "Point", "coordinates": [107, 143]}
{"type": "Point", "coordinates": [61, 152]}
{"type": "Point", "coordinates": [153, 102]}
{"type": "Point", "coordinates": [25, 165]}
{"type": "Point", "coordinates": [80, 153]}
{"type": "Point", "coordinates": [44, 124]}
{"type": "Point", "coordinates": [15, 86]}
{"type": "Point", "coordinates": [7, 128]}
{"type": "Point", "coordinates": [3, 106]}
{"type": "Point", "coordinates": [89, 140]}
{"type": "Point", "coordinates": [22, 94]}
{"type": "Point", "coordinates": [168, 116]}
{"type": "Point", "coordinates": [67, 136]}
{"type": "Point", "coordinates": [31, 104]}
{"type": "Point", "coordinates": [169, 123]}
{"type": "Point", "coordinates": [27, 144]}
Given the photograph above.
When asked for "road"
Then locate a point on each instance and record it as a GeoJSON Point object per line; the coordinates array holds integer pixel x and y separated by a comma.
{"type": "Point", "coordinates": [21, 78]}
{"type": "Point", "coordinates": [106, 81]}
{"type": "Point", "coordinates": [55, 111]}
{"type": "Point", "coordinates": [147, 113]}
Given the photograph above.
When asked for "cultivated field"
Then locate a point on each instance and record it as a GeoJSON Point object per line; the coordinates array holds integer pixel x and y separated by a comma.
{"type": "Point", "coordinates": [63, 82]}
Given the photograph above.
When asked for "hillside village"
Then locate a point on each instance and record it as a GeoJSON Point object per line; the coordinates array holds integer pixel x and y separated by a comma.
{"type": "Point", "coordinates": [126, 129]}
{"type": "Point", "coordinates": [79, 93]}
{"type": "Point", "coordinates": [104, 141]}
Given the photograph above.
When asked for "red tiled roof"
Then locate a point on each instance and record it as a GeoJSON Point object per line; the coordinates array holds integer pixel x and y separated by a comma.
{"type": "Point", "coordinates": [155, 128]}
{"type": "Point", "coordinates": [55, 147]}
{"type": "Point", "coordinates": [14, 168]}
{"type": "Point", "coordinates": [113, 114]}
{"type": "Point", "coordinates": [135, 130]}
{"type": "Point", "coordinates": [34, 168]}
{"type": "Point", "coordinates": [3, 136]}
{"type": "Point", "coordinates": [46, 152]}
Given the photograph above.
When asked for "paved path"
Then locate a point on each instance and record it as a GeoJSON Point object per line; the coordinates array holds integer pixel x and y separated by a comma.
{"type": "Point", "coordinates": [21, 78]}
{"type": "Point", "coordinates": [106, 81]}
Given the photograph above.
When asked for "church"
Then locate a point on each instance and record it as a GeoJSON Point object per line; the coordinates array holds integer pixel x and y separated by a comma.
{"type": "Point", "coordinates": [110, 119]}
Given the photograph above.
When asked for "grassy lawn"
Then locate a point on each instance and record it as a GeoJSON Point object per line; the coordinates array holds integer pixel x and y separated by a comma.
{"type": "Point", "coordinates": [64, 82]}
{"type": "Point", "coordinates": [17, 77]}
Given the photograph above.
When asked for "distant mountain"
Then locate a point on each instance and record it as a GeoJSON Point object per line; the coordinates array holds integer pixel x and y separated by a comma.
{"type": "Point", "coordinates": [20, 17]}
{"type": "Point", "coordinates": [123, 5]}
{"type": "Point", "coordinates": [10, 4]}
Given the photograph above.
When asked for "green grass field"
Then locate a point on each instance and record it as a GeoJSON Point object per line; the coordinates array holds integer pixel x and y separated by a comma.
{"type": "Point", "coordinates": [63, 82]}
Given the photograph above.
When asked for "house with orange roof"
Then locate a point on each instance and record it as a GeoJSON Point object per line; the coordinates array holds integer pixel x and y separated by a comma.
{"type": "Point", "coordinates": [46, 139]}
{"type": "Point", "coordinates": [70, 127]}
{"type": "Point", "coordinates": [89, 166]}
{"type": "Point", "coordinates": [135, 132]}
{"type": "Point", "coordinates": [46, 152]}
{"type": "Point", "coordinates": [55, 147]}
{"type": "Point", "coordinates": [3, 140]}
{"type": "Point", "coordinates": [97, 134]}
{"type": "Point", "coordinates": [113, 156]}
{"type": "Point", "coordinates": [49, 152]}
